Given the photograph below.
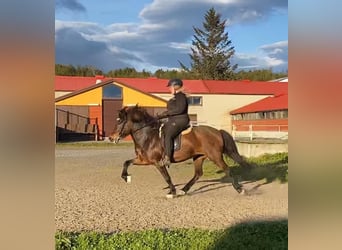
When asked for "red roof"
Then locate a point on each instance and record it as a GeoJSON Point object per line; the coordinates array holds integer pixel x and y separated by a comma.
{"type": "Point", "coordinates": [279, 102]}
{"type": "Point", "coordinates": [245, 87]}
{"type": "Point", "coordinates": [156, 85]}
{"type": "Point", "coordinates": [72, 83]}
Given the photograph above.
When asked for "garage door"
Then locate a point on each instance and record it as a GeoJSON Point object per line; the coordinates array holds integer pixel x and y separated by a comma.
{"type": "Point", "coordinates": [110, 113]}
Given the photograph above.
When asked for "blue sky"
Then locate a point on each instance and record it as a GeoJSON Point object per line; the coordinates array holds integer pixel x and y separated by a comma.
{"type": "Point", "coordinates": [154, 34]}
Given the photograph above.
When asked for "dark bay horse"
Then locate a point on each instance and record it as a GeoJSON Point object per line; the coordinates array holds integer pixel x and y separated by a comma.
{"type": "Point", "coordinates": [201, 143]}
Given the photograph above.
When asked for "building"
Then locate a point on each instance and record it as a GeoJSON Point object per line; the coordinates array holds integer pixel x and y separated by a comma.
{"type": "Point", "coordinates": [67, 84]}
{"type": "Point", "coordinates": [93, 110]}
{"type": "Point", "coordinates": [266, 118]}
{"type": "Point", "coordinates": [210, 101]}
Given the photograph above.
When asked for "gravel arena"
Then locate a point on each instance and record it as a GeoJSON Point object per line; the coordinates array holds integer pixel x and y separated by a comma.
{"type": "Point", "coordinates": [91, 196]}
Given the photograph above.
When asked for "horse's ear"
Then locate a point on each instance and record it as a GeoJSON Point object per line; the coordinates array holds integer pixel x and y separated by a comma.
{"type": "Point", "coordinates": [136, 105]}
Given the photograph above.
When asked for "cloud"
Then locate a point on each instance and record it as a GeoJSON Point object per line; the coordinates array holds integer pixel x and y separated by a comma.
{"type": "Point", "coordinates": [191, 11]}
{"type": "Point", "coordinates": [161, 38]}
{"type": "Point", "coordinates": [72, 5]}
{"type": "Point", "coordinates": [72, 48]}
{"type": "Point", "coordinates": [273, 56]}
{"type": "Point", "coordinates": [276, 50]}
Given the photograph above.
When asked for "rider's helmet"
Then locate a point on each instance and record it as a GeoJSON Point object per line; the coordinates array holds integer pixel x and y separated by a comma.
{"type": "Point", "coordinates": [175, 82]}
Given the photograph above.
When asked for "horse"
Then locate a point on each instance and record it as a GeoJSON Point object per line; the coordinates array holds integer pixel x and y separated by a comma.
{"type": "Point", "coordinates": [203, 142]}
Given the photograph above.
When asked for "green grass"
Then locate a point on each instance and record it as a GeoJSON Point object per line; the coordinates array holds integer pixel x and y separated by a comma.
{"type": "Point", "coordinates": [270, 167]}
{"type": "Point", "coordinates": [253, 235]}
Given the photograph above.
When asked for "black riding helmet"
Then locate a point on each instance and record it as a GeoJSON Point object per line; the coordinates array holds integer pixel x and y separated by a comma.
{"type": "Point", "coordinates": [175, 82]}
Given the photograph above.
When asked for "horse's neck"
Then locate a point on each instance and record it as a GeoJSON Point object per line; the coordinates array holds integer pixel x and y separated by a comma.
{"type": "Point", "coordinates": [145, 135]}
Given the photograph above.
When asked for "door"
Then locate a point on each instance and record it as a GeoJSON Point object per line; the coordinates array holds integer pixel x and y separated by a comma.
{"type": "Point", "coordinates": [110, 113]}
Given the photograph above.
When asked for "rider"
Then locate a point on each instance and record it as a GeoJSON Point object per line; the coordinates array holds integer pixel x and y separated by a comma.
{"type": "Point", "coordinates": [178, 118]}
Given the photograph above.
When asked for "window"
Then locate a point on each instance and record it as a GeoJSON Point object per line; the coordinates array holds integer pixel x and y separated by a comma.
{"type": "Point", "coordinates": [111, 91]}
{"type": "Point", "coordinates": [277, 114]}
{"type": "Point", "coordinates": [195, 100]}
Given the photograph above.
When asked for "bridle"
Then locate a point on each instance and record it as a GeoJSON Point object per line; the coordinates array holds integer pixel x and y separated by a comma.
{"type": "Point", "coordinates": [122, 128]}
{"type": "Point", "coordinates": [135, 130]}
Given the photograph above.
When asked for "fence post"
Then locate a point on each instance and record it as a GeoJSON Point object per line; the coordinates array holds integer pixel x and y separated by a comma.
{"type": "Point", "coordinates": [234, 131]}
{"type": "Point", "coordinates": [68, 117]}
{"type": "Point", "coordinates": [96, 130]}
{"type": "Point", "coordinates": [251, 132]}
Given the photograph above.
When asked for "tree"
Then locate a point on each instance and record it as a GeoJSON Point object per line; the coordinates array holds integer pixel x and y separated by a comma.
{"type": "Point", "coordinates": [259, 75]}
{"type": "Point", "coordinates": [70, 70]}
{"type": "Point", "coordinates": [211, 50]}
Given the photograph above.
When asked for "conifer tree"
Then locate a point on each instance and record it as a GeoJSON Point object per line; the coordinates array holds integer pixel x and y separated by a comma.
{"type": "Point", "coordinates": [211, 50]}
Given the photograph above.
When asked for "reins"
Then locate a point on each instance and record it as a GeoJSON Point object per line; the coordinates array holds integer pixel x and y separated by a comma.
{"type": "Point", "coordinates": [135, 130]}
{"type": "Point", "coordinates": [144, 126]}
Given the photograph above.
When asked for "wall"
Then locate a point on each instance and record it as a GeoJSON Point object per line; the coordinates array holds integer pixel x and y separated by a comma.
{"type": "Point", "coordinates": [91, 97]}
{"type": "Point", "coordinates": [215, 108]}
{"type": "Point", "coordinates": [262, 124]}
{"type": "Point", "coordinates": [61, 93]}
{"type": "Point", "coordinates": [133, 97]}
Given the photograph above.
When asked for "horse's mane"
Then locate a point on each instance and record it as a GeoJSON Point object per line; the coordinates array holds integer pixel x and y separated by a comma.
{"type": "Point", "coordinates": [139, 114]}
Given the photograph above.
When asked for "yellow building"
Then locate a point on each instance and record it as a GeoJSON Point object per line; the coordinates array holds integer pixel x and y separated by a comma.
{"type": "Point", "coordinates": [93, 110]}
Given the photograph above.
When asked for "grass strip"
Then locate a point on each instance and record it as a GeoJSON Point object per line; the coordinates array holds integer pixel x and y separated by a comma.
{"type": "Point", "coordinates": [251, 235]}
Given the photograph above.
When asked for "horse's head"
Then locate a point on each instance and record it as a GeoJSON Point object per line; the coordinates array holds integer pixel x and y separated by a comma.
{"type": "Point", "coordinates": [128, 120]}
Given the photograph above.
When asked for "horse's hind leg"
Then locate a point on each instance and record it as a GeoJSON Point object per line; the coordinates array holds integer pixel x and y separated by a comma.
{"type": "Point", "coordinates": [167, 178]}
{"type": "Point", "coordinates": [198, 162]}
{"type": "Point", "coordinates": [220, 162]}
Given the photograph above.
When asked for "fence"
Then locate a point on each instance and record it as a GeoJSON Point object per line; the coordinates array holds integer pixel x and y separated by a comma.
{"type": "Point", "coordinates": [253, 131]}
{"type": "Point", "coordinates": [69, 122]}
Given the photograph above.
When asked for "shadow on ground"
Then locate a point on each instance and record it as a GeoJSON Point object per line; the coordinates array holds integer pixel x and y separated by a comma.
{"type": "Point", "coordinates": [271, 170]}
{"type": "Point", "coordinates": [263, 170]}
{"type": "Point", "coordinates": [254, 235]}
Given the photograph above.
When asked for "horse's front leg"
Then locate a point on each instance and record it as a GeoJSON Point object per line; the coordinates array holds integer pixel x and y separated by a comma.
{"type": "Point", "coordinates": [135, 161]}
{"type": "Point", "coordinates": [124, 173]}
{"type": "Point", "coordinates": [167, 178]}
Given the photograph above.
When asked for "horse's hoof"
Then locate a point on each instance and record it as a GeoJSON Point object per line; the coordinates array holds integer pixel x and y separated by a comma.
{"type": "Point", "coordinates": [181, 193]}
{"type": "Point", "coordinates": [128, 179]}
{"type": "Point", "coordinates": [243, 192]}
{"type": "Point", "coordinates": [170, 196]}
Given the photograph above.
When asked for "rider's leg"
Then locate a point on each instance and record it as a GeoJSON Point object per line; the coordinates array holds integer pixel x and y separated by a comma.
{"type": "Point", "coordinates": [169, 131]}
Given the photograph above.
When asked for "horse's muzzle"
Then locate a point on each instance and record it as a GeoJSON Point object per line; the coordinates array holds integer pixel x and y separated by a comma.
{"type": "Point", "coordinates": [116, 139]}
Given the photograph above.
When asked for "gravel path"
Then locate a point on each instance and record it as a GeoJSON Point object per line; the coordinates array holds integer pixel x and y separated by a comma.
{"type": "Point", "coordinates": [90, 195]}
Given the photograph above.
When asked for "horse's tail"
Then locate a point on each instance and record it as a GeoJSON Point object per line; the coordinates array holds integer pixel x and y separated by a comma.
{"type": "Point", "coordinates": [230, 149]}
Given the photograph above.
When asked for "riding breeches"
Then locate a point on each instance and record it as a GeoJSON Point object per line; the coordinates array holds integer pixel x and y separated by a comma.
{"type": "Point", "coordinates": [171, 129]}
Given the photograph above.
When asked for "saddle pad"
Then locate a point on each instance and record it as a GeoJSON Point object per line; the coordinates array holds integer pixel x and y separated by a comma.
{"type": "Point", "coordinates": [177, 141]}
{"type": "Point", "coordinates": [187, 130]}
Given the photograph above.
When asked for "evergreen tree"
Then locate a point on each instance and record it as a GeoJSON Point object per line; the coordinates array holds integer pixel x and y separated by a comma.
{"type": "Point", "coordinates": [211, 50]}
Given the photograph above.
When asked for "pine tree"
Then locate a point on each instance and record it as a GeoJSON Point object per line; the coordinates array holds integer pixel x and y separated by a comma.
{"type": "Point", "coordinates": [211, 50]}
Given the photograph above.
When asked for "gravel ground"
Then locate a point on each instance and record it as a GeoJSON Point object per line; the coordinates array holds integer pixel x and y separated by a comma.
{"type": "Point", "coordinates": [90, 195]}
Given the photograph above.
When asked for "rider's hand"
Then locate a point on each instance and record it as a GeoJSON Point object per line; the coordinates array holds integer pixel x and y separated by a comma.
{"type": "Point", "coordinates": [162, 115]}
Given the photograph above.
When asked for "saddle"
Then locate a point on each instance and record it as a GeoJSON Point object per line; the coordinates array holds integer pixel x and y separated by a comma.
{"type": "Point", "coordinates": [178, 139]}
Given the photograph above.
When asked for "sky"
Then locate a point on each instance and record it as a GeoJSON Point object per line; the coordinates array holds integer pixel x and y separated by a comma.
{"type": "Point", "coordinates": [157, 34]}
